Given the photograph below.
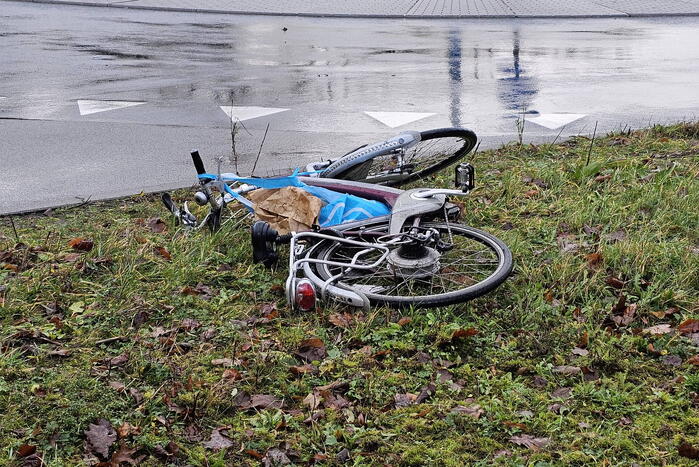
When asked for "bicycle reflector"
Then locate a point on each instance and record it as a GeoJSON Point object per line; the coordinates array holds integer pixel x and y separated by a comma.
{"type": "Point", "coordinates": [305, 296]}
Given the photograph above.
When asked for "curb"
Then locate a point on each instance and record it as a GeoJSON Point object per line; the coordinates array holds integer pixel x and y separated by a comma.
{"type": "Point", "coordinates": [343, 15]}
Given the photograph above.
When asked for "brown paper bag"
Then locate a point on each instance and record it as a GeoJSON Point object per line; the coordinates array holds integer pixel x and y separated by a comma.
{"type": "Point", "coordinates": [286, 209]}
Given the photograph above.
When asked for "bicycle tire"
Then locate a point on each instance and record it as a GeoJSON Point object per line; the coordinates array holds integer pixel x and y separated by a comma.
{"type": "Point", "coordinates": [332, 251]}
{"type": "Point", "coordinates": [436, 150]}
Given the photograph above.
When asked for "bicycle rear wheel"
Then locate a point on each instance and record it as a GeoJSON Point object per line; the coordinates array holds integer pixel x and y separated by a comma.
{"type": "Point", "coordinates": [475, 264]}
{"type": "Point", "coordinates": [436, 150]}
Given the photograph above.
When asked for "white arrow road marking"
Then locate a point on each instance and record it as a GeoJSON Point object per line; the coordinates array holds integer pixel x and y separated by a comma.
{"type": "Point", "coordinates": [396, 119]}
{"type": "Point", "coordinates": [88, 107]}
{"type": "Point", "coordinates": [248, 113]}
{"type": "Point", "coordinates": [555, 121]}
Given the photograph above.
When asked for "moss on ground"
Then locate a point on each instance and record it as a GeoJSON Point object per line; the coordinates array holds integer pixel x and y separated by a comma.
{"type": "Point", "coordinates": [166, 335]}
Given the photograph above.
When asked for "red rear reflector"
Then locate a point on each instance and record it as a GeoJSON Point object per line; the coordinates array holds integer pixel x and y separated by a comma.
{"type": "Point", "coordinates": [305, 295]}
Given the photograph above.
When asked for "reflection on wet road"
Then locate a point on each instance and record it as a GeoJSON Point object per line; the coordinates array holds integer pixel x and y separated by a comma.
{"type": "Point", "coordinates": [567, 75]}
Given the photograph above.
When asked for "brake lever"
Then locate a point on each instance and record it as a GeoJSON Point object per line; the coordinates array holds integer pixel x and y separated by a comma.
{"type": "Point", "coordinates": [188, 219]}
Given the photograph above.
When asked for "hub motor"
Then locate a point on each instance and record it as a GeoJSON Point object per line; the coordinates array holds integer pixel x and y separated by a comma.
{"type": "Point", "coordinates": [414, 261]}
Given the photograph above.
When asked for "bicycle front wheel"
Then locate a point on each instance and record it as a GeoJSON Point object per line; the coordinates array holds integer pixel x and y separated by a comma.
{"type": "Point", "coordinates": [436, 150]}
{"type": "Point", "coordinates": [475, 263]}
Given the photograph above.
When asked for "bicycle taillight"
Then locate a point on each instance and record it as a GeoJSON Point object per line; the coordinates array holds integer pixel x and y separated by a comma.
{"type": "Point", "coordinates": [305, 296]}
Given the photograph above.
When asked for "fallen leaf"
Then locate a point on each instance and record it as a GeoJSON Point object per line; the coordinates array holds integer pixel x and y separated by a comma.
{"type": "Point", "coordinates": [539, 382]}
{"type": "Point", "coordinates": [258, 401]}
{"type": "Point", "coordinates": [593, 259]}
{"type": "Point", "coordinates": [584, 340]}
{"type": "Point", "coordinates": [615, 282]}
{"type": "Point", "coordinates": [687, 450]}
{"type": "Point", "coordinates": [72, 257]}
{"type": "Point", "coordinates": [405, 320]}
{"type": "Point", "coordinates": [232, 375]}
{"type": "Point", "coordinates": [603, 178]}
{"type": "Point", "coordinates": [269, 311]}
{"type": "Point", "coordinates": [126, 429]}
{"type": "Point", "coordinates": [26, 450]}
{"type": "Point", "coordinates": [561, 393]}
{"type": "Point", "coordinates": [425, 393]}
{"type": "Point", "coordinates": [404, 400]}
{"type": "Point", "coordinates": [275, 457]}
{"type": "Point", "coordinates": [671, 360]}
{"type": "Point", "coordinates": [474, 411]}
{"type": "Point", "coordinates": [616, 236]}
{"type": "Point", "coordinates": [302, 369]}
{"type": "Point", "coordinates": [218, 441]}
{"type": "Point", "coordinates": [580, 352]}
{"type": "Point", "coordinates": [189, 324]}
{"type": "Point", "coordinates": [124, 455]}
{"type": "Point", "coordinates": [556, 408]}
{"type": "Point", "coordinates": [689, 326]}
{"type": "Point", "coordinates": [100, 436]}
{"type": "Point", "coordinates": [341, 320]}
{"type": "Point", "coordinates": [312, 400]}
{"type": "Point", "coordinates": [156, 224]}
{"type": "Point", "coordinates": [658, 329]}
{"type": "Point", "coordinates": [162, 251]}
{"type": "Point", "coordinates": [119, 360]}
{"type": "Point", "coordinates": [567, 370]}
{"type": "Point", "coordinates": [222, 362]}
{"type": "Point", "coordinates": [118, 385]}
{"type": "Point", "coordinates": [464, 333]}
{"type": "Point", "coordinates": [200, 290]}
{"type": "Point", "coordinates": [693, 360]}
{"type": "Point", "coordinates": [81, 244]}
{"type": "Point", "coordinates": [311, 350]}
{"type": "Point", "coordinates": [530, 442]}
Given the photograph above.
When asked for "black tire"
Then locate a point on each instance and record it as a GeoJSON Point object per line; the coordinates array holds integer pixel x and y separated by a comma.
{"type": "Point", "coordinates": [468, 283]}
{"type": "Point", "coordinates": [436, 150]}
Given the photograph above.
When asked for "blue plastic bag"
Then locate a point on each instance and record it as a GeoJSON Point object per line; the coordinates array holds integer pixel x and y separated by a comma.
{"type": "Point", "coordinates": [338, 209]}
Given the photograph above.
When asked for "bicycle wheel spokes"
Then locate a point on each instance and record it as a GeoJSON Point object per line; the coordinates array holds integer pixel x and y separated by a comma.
{"type": "Point", "coordinates": [460, 270]}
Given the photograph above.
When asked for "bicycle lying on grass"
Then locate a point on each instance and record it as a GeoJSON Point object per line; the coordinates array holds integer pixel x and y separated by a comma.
{"type": "Point", "coordinates": [407, 250]}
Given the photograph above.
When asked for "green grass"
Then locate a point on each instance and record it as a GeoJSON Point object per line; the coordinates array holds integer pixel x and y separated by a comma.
{"type": "Point", "coordinates": [628, 217]}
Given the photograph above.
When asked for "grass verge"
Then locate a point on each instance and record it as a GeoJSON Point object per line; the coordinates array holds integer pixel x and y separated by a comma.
{"type": "Point", "coordinates": [125, 341]}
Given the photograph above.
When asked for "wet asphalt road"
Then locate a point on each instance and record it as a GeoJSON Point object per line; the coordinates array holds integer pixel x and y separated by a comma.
{"type": "Point", "coordinates": [182, 67]}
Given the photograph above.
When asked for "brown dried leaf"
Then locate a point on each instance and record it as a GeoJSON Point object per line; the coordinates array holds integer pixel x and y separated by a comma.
{"type": "Point", "coordinates": [687, 450]}
{"type": "Point", "coordinates": [567, 370]}
{"type": "Point", "coordinates": [125, 456]}
{"type": "Point", "coordinates": [615, 282]}
{"type": "Point", "coordinates": [222, 362]}
{"type": "Point", "coordinates": [218, 441]}
{"type": "Point", "coordinates": [689, 326]}
{"type": "Point", "coordinates": [342, 320]}
{"type": "Point", "coordinates": [26, 450]}
{"type": "Point", "coordinates": [311, 350]}
{"type": "Point", "coordinates": [593, 259]}
{"type": "Point", "coordinates": [562, 393]}
{"type": "Point", "coordinates": [302, 369]}
{"type": "Point", "coordinates": [616, 236]}
{"type": "Point", "coordinates": [693, 360]}
{"type": "Point", "coordinates": [162, 251]}
{"type": "Point", "coordinates": [156, 224]}
{"type": "Point", "coordinates": [100, 436]}
{"type": "Point", "coordinates": [425, 393]}
{"type": "Point", "coordinates": [530, 442]}
{"type": "Point", "coordinates": [119, 360]}
{"type": "Point", "coordinates": [81, 244]}
{"type": "Point", "coordinates": [126, 429]}
{"type": "Point", "coordinates": [474, 411]}
{"type": "Point", "coordinates": [658, 329]}
{"type": "Point", "coordinates": [404, 400]}
{"type": "Point", "coordinates": [405, 320]}
{"type": "Point", "coordinates": [464, 333]}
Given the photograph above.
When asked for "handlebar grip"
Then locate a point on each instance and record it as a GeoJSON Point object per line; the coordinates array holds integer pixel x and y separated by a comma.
{"type": "Point", "coordinates": [198, 164]}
